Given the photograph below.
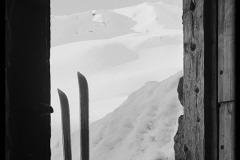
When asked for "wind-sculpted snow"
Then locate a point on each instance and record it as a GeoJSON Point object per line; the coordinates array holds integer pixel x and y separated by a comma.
{"type": "Point", "coordinates": [88, 26]}
{"type": "Point", "coordinates": [154, 18]}
{"type": "Point", "coordinates": [150, 17]}
{"type": "Point", "coordinates": [141, 128]}
{"type": "Point", "coordinates": [119, 49]}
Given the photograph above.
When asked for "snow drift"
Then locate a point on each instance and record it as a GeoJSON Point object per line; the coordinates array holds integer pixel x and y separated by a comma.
{"type": "Point", "coordinates": [104, 24]}
{"type": "Point", "coordinates": [141, 128]}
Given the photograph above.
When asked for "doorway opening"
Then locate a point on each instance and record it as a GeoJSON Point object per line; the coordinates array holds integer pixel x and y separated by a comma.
{"type": "Point", "coordinates": [132, 56]}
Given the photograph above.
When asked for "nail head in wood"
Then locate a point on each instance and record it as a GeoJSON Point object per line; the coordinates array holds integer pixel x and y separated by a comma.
{"type": "Point", "coordinates": [221, 72]}
{"type": "Point", "coordinates": [198, 119]}
{"type": "Point", "coordinates": [222, 146]}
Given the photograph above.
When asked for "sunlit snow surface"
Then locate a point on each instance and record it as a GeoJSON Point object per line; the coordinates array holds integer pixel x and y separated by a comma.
{"type": "Point", "coordinates": [118, 53]}
{"type": "Point", "coordinates": [141, 128]}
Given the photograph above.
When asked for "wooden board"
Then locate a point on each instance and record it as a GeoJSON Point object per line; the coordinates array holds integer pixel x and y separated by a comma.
{"type": "Point", "coordinates": [226, 51]}
{"type": "Point", "coordinates": [193, 79]}
{"type": "Point", "coordinates": [226, 131]}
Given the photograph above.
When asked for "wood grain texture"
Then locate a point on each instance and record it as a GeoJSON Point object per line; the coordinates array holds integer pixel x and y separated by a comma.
{"type": "Point", "coordinates": [193, 100]}
{"type": "Point", "coordinates": [226, 50]}
{"type": "Point", "coordinates": [65, 125]}
{"type": "Point", "coordinates": [84, 117]}
{"type": "Point", "coordinates": [226, 79]}
{"type": "Point", "coordinates": [226, 131]}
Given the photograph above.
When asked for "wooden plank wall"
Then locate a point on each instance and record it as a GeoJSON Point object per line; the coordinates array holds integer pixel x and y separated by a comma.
{"type": "Point", "coordinates": [226, 46]}
{"type": "Point", "coordinates": [226, 131]}
{"type": "Point", "coordinates": [226, 79]}
{"type": "Point", "coordinates": [209, 100]}
{"type": "Point", "coordinates": [193, 79]}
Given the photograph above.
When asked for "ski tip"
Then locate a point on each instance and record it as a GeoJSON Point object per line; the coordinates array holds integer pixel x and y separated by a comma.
{"type": "Point", "coordinates": [80, 76]}
{"type": "Point", "coordinates": [60, 92]}
{"type": "Point", "coordinates": [62, 96]}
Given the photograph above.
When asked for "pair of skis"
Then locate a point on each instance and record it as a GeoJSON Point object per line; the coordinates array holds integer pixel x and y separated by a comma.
{"type": "Point", "coordinates": [84, 124]}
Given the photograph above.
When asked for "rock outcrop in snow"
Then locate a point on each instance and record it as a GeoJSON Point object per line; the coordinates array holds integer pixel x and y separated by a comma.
{"type": "Point", "coordinates": [142, 128]}
{"type": "Point", "coordinates": [178, 138]}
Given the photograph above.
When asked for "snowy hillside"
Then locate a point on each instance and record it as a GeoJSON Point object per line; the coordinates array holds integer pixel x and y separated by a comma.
{"type": "Point", "coordinates": [118, 49]}
{"type": "Point", "coordinates": [117, 53]}
{"type": "Point", "coordinates": [102, 24]}
{"type": "Point", "coordinates": [75, 6]}
{"type": "Point", "coordinates": [141, 128]}
{"type": "Point", "coordinates": [88, 25]}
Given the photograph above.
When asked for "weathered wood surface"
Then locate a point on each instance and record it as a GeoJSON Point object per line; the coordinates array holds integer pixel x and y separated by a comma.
{"type": "Point", "coordinates": [226, 79]}
{"type": "Point", "coordinates": [84, 117]}
{"type": "Point", "coordinates": [65, 125]}
{"type": "Point", "coordinates": [193, 79]}
{"type": "Point", "coordinates": [226, 131]}
{"type": "Point", "coordinates": [226, 53]}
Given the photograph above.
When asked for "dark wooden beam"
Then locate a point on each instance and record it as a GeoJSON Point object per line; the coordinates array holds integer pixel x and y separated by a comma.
{"type": "Point", "coordinates": [211, 79]}
{"type": "Point", "coordinates": [27, 71]}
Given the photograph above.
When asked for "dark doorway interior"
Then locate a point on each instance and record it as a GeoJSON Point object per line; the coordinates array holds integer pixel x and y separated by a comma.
{"type": "Point", "coordinates": [27, 80]}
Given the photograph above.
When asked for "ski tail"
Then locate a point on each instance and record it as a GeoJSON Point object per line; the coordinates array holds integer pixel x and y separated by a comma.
{"type": "Point", "coordinates": [65, 125]}
{"type": "Point", "coordinates": [84, 117]}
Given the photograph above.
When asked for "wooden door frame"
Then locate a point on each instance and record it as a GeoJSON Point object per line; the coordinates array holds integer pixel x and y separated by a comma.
{"type": "Point", "coordinates": [27, 80]}
{"type": "Point", "coordinates": [27, 77]}
{"type": "Point", "coordinates": [209, 82]}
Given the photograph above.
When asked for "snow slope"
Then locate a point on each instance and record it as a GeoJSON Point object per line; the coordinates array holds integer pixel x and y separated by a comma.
{"type": "Point", "coordinates": [113, 70]}
{"type": "Point", "coordinates": [141, 128]}
{"type": "Point", "coordinates": [87, 26]}
{"type": "Point", "coordinates": [102, 24]}
{"type": "Point", "coordinates": [60, 7]}
{"type": "Point", "coordinates": [151, 17]}
{"type": "Point", "coordinates": [113, 53]}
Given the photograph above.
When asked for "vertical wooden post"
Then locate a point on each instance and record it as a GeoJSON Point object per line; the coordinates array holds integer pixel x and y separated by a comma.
{"type": "Point", "coordinates": [226, 131]}
{"type": "Point", "coordinates": [210, 79]}
{"type": "Point", "coordinates": [226, 79]}
{"type": "Point", "coordinates": [209, 100]}
{"type": "Point", "coordinates": [27, 81]}
{"type": "Point", "coordinates": [193, 79]}
{"type": "Point", "coordinates": [226, 53]}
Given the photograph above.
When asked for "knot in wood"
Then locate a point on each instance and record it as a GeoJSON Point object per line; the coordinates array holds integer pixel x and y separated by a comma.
{"type": "Point", "coordinates": [192, 6]}
{"type": "Point", "coordinates": [221, 72]}
{"type": "Point", "coordinates": [192, 47]}
{"type": "Point", "coordinates": [196, 89]}
{"type": "Point", "coordinates": [198, 119]}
